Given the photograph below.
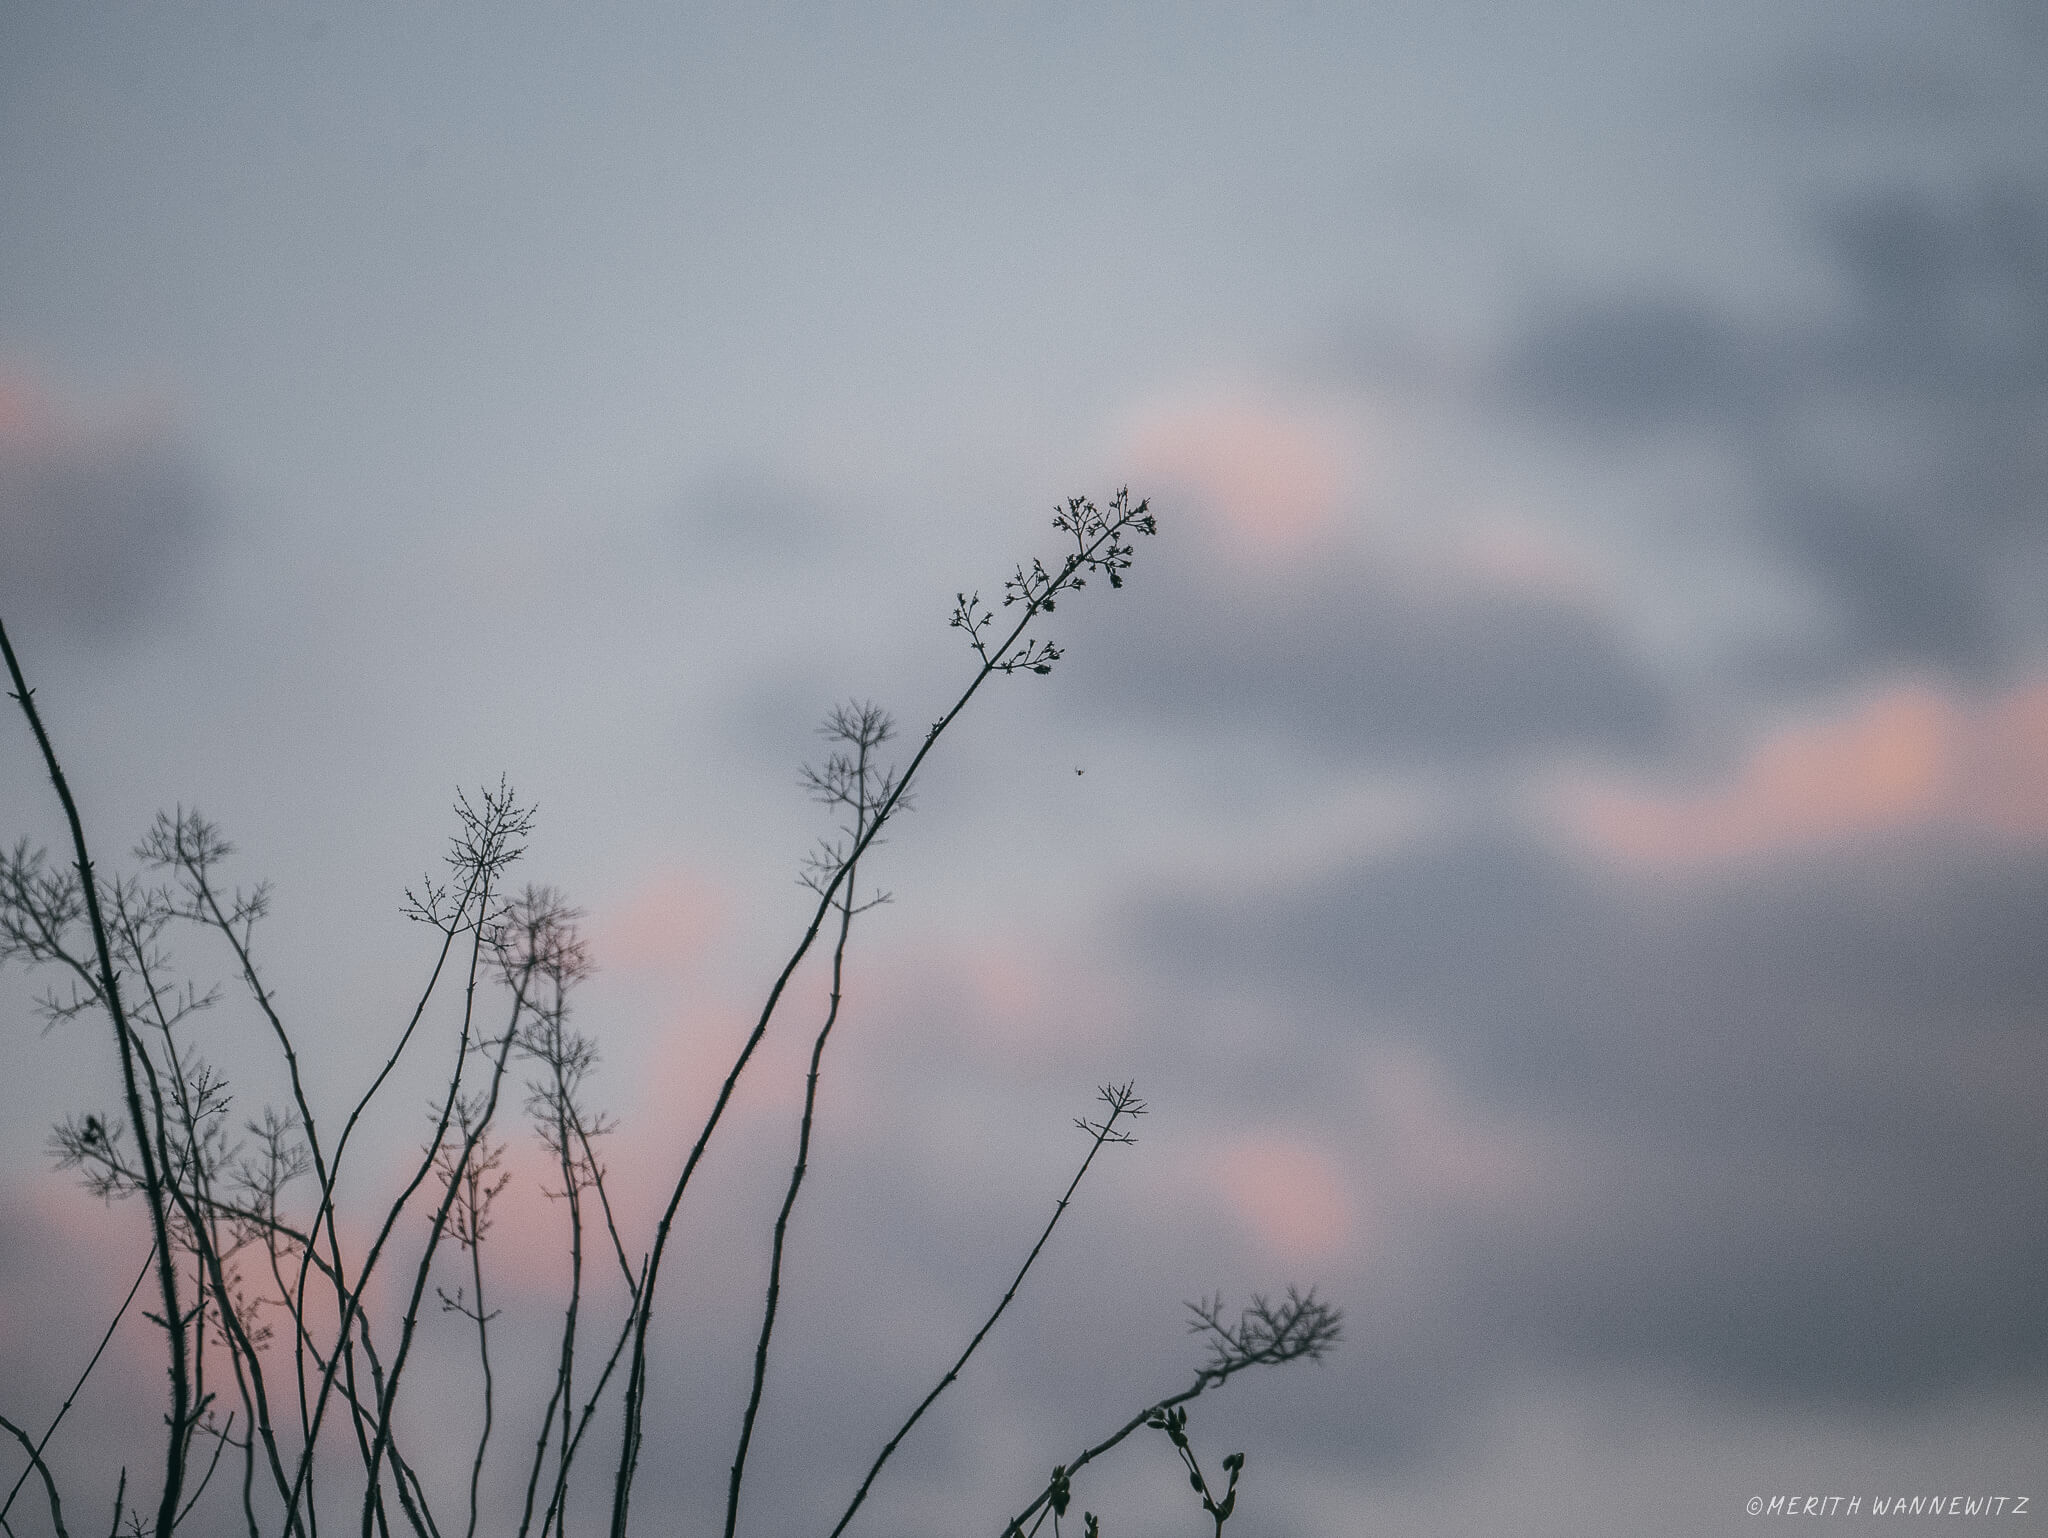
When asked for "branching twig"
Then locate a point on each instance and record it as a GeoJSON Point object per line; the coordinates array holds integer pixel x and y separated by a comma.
{"type": "Point", "coordinates": [35, 1461]}
{"type": "Point", "coordinates": [855, 783]}
{"type": "Point", "coordinates": [1122, 1101]}
{"type": "Point", "coordinates": [212, 1191]}
{"type": "Point", "coordinates": [65, 1409]}
{"type": "Point", "coordinates": [1100, 546]}
{"type": "Point", "coordinates": [153, 1185]}
{"type": "Point", "coordinates": [1266, 1334]}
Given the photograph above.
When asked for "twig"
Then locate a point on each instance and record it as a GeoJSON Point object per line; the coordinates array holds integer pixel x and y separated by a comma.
{"type": "Point", "coordinates": [867, 728]}
{"type": "Point", "coordinates": [219, 1445]}
{"type": "Point", "coordinates": [35, 1460]}
{"type": "Point", "coordinates": [1122, 1101]}
{"type": "Point", "coordinates": [153, 1190]}
{"type": "Point", "coordinates": [58, 1419]}
{"type": "Point", "coordinates": [1098, 547]}
{"type": "Point", "coordinates": [1265, 1335]}
{"type": "Point", "coordinates": [796, 1180]}
{"type": "Point", "coordinates": [486, 847]}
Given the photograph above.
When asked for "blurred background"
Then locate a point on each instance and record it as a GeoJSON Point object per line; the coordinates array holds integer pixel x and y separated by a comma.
{"type": "Point", "coordinates": [1556, 824]}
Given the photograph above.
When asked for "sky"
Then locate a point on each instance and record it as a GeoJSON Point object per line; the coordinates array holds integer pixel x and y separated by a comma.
{"type": "Point", "coordinates": [1555, 824]}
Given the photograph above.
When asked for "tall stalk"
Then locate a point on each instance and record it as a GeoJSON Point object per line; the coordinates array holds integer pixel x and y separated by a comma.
{"type": "Point", "coordinates": [127, 1047]}
{"type": "Point", "coordinates": [1099, 547]}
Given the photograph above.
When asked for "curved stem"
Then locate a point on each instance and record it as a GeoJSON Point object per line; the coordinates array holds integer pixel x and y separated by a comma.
{"type": "Point", "coordinates": [796, 1180]}
{"type": "Point", "coordinates": [152, 1184]}
{"type": "Point", "coordinates": [1088, 555]}
{"type": "Point", "coordinates": [35, 1462]}
{"type": "Point", "coordinates": [1121, 1103]}
{"type": "Point", "coordinates": [65, 1409]}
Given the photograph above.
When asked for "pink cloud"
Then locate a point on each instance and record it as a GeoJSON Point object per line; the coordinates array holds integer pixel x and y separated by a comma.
{"type": "Point", "coordinates": [1290, 1195]}
{"type": "Point", "coordinates": [1268, 478]}
{"type": "Point", "coordinates": [37, 421]}
{"type": "Point", "coordinates": [26, 416]}
{"type": "Point", "coordinates": [1428, 1142]}
{"type": "Point", "coordinates": [1911, 757]}
{"type": "Point", "coordinates": [526, 1247]}
{"type": "Point", "coordinates": [666, 922]}
{"type": "Point", "coordinates": [2009, 764]}
{"type": "Point", "coordinates": [694, 1051]}
{"type": "Point", "coordinates": [1515, 555]}
{"type": "Point", "coordinates": [1018, 1003]}
{"type": "Point", "coordinates": [68, 1262]}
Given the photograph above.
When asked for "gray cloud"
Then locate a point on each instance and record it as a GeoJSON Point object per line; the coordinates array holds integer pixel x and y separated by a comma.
{"type": "Point", "coordinates": [739, 512]}
{"type": "Point", "coordinates": [1873, 87]}
{"type": "Point", "coordinates": [99, 531]}
{"type": "Point", "coordinates": [1638, 362]}
{"type": "Point", "coordinates": [1351, 661]}
{"type": "Point", "coordinates": [1808, 1099]}
{"type": "Point", "coordinates": [1894, 447]}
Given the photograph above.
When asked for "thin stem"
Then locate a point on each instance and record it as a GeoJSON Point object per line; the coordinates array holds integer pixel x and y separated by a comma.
{"type": "Point", "coordinates": [219, 1446]}
{"type": "Point", "coordinates": [65, 1409]}
{"type": "Point", "coordinates": [474, 1134]}
{"type": "Point", "coordinates": [35, 1462]}
{"type": "Point", "coordinates": [201, 1215]}
{"type": "Point", "coordinates": [193, 860]}
{"type": "Point", "coordinates": [567, 1120]}
{"type": "Point", "coordinates": [555, 1512]}
{"type": "Point", "coordinates": [483, 1335]}
{"type": "Point", "coordinates": [1266, 1336]}
{"type": "Point", "coordinates": [352, 1297]}
{"type": "Point", "coordinates": [1121, 1102]}
{"type": "Point", "coordinates": [604, 1200]}
{"type": "Point", "coordinates": [153, 1190]}
{"type": "Point", "coordinates": [345, 1297]}
{"type": "Point", "coordinates": [796, 1180]}
{"type": "Point", "coordinates": [1089, 554]}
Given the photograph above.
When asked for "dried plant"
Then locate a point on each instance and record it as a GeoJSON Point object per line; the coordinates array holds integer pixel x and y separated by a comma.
{"type": "Point", "coordinates": [1265, 1334]}
{"type": "Point", "coordinates": [263, 1296]}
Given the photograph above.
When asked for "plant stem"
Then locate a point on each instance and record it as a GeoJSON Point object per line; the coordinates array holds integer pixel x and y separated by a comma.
{"type": "Point", "coordinates": [1121, 1103]}
{"type": "Point", "coordinates": [796, 1180]}
{"type": "Point", "coordinates": [153, 1190]}
{"type": "Point", "coordinates": [1087, 553]}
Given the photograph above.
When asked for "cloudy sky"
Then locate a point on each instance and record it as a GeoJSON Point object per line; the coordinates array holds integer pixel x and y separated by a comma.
{"type": "Point", "coordinates": [1556, 824]}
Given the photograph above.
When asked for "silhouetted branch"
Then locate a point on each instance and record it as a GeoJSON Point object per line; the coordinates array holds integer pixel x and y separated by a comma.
{"type": "Point", "coordinates": [1099, 547]}
{"type": "Point", "coordinates": [854, 782]}
{"type": "Point", "coordinates": [153, 1190]}
{"type": "Point", "coordinates": [1265, 1335]}
{"type": "Point", "coordinates": [534, 949]}
{"type": "Point", "coordinates": [1123, 1101]}
{"type": "Point", "coordinates": [218, 1185]}
{"type": "Point", "coordinates": [65, 1409]}
{"type": "Point", "coordinates": [42, 1469]}
{"type": "Point", "coordinates": [478, 1184]}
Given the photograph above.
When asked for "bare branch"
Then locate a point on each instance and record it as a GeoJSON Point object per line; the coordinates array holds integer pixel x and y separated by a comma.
{"type": "Point", "coordinates": [153, 1187]}
{"type": "Point", "coordinates": [1122, 1101]}
{"type": "Point", "coordinates": [35, 1459]}
{"type": "Point", "coordinates": [1265, 1335]}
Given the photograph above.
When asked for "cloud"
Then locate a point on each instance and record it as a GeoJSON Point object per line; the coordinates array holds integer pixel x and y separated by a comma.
{"type": "Point", "coordinates": [1636, 362]}
{"type": "Point", "coordinates": [1893, 448]}
{"type": "Point", "coordinates": [1786, 1123]}
{"type": "Point", "coordinates": [1261, 479]}
{"type": "Point", "coordinates": [1289, 1194]}
{"type": "Point", "coordinates": [769, 518]}
{"type": "Point", "coordinates": [1874, 88]}
{"type": "Point", "coordinates": [1374, 659]}
{"type": "Point", "coordinates": [101, 525]}
{"type": "Point", "coordinates": [1909, 757]}
{"type": "Point", "coordinates": [66, 1264]}
{"type": "Point", "coordinates": [662, 925]}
